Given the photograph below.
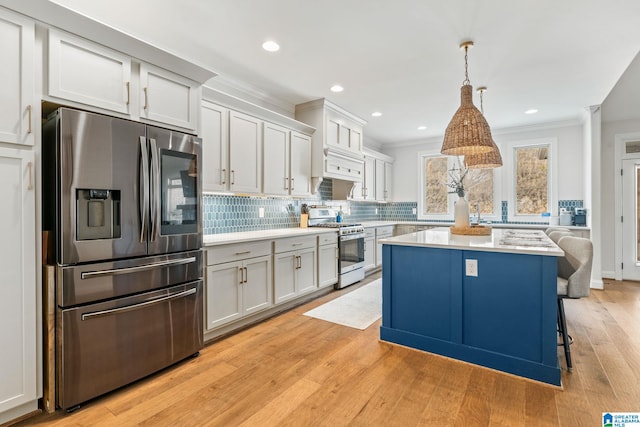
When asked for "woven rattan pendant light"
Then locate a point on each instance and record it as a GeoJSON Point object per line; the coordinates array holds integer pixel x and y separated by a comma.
{"type": "Point", "coordinates": [468, 132]}
{"type": "Point", "coordinates": [488, 160]}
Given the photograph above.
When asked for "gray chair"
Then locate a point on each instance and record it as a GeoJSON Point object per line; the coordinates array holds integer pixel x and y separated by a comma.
{"type": "Point", "coordinates": [574, 280]}
{"type": "Point", "coordinates": [551, 229]}
{"type": "Point", "coordinates": [557, 235]}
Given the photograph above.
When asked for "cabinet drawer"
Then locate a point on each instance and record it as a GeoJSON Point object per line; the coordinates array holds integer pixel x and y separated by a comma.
{"type": "Point", "coordinates": [343, 167]}
{"type": "Point", "coordinates": [369, 233]}
{"type": "Point", "coordinates": [237, 251]}
{"type": "Point", "coordinates": [383, 232]}
{"type": "Point", "coordinates": [327, 239]}
{"type": "Point", "coordinates": [294, 243]}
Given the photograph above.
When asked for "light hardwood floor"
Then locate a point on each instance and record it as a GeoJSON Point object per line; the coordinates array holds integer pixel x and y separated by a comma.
{"type": "Point", "coordinates": [293, 370]}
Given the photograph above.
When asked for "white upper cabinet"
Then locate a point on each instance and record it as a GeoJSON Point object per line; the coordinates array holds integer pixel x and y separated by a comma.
{"type": "Point", "coordinates": [88, 73]}
{"type": "Point", "coordinates": [245, 151]}
{"type": "Point", "coordinates": [17, 103]}
{"type": "Point", "coordinates": [215, 142]}
{"type": "Point", "coordinates": [276, 159]}
{"type": "Point", "coordinates": [166, 97]}
{"type": "Point", "coordinates": [94, 75]}
{"type": "Point", "coordinates": [300, 157]}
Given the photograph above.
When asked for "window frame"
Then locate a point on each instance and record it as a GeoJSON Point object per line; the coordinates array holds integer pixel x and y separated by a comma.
{"type": "Point", "coordinates": [451, 198]}
{"type": "Point", "coordinates": [552, 177]}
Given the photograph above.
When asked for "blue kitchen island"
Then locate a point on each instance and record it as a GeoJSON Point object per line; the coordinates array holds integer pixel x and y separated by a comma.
{"type": "Point", "coordinates": [487, 300]}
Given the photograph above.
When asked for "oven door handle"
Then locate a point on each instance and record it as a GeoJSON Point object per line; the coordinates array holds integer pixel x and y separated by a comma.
{"type": "Point", "coordinates": [127, 270]}
{"type": "Point", "coordinates": [354, 236]}
{"type": "Point", "coordinates": [132, 307]}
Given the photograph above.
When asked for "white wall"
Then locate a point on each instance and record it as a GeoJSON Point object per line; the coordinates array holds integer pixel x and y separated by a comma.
{"type": "Point", "coordinates": [608, 197]}
{"type": "Point", "coordinates": [570, 159]}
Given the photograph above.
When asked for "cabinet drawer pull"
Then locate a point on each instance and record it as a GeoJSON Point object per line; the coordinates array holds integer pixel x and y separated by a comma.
{"type": "Point", "coordinates": [128, 93]}
{"type": "Point", "coordinates": [29, 110]}
{"type": "Point", "coordinates": [292, 183]}
{"type": "Point", "coordinates": [285, 183]}
{"type": "Point", "coordinates": [146, 99]}
{"type": "Point", "coordinates": [243, 253]}
{"type": "Point", "coordinates": [233, 177]}
{"type": "Point", "coordinates": [30, 168]}
{"type": "Point", "coordinates": [223, 178]}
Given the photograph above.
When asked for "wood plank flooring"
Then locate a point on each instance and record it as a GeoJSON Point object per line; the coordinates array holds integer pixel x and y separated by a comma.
{"type": "Point", "coordinates": [293, 370]}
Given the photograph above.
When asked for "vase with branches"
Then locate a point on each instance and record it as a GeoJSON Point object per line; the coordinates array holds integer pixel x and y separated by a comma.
{"type": "Point", "coordinates": [461, 206]}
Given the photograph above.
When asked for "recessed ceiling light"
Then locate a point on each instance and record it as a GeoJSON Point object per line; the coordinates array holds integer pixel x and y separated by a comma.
{"type": "Point", "coordinates": [531, 111]}
{"type": "Point", "coordinates": [336, 88]}
{"type": "Point", "coordinates": [271, 46]}
{"type": "Point", "coordinates": [376, 114]}
{"type": "Point", "coordinates": [422, 127]}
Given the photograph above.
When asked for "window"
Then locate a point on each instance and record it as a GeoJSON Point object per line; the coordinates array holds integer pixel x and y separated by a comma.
{"type": "Point", "coordinates": [480, 186]}
{"type": "Point", "coordinates": [531, 187]}
{"type": "Point", "coordinates": [437, 198]}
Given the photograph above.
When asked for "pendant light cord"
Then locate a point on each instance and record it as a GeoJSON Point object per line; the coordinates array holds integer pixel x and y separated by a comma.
{"type": "Point", "coordinates": [466, 80]}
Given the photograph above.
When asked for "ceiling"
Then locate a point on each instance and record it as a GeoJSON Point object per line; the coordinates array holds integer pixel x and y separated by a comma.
{"type": "Point", "coordinates": [400, 58]}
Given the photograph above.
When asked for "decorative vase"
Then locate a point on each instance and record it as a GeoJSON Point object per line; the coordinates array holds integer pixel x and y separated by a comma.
{"type": "Point", "coordinates": [461, 213]}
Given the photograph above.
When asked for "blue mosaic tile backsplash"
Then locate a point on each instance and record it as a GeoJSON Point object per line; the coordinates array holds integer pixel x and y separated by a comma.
{"type": "Point", "coordinates": [230, 214]}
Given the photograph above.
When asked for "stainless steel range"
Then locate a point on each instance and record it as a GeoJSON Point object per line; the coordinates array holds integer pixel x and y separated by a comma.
{"type": "Point", "coordinates": [350, 244]}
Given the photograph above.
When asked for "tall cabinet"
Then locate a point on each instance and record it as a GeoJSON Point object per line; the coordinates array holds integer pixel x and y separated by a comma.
{"type": "Point", "coordinates": [18, 297]}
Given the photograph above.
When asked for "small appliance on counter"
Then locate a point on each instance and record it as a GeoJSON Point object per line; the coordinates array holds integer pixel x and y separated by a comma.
{"type": "Point", "coordinates": [580, 217]}
{"type": "Point", "coordinates": [565, 216]}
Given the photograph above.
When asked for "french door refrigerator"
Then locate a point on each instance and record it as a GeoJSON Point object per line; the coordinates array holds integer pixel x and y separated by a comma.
{"type": "Point", "coordinates": [122, 201]}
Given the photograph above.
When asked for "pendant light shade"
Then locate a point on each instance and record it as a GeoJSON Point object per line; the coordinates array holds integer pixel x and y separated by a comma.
{"type": "Point", "coordinates": [468, 132]}
{"type": "Point", "coordinates": [489, 160]}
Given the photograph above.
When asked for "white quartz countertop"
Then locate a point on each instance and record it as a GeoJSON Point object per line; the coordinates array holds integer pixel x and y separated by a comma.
{"type": "Point", "coordinates": [371, 224]}
{"type": "Point", "coordinates": [247, 236]}
{"type": "Point", "coordinates": [518, 241]}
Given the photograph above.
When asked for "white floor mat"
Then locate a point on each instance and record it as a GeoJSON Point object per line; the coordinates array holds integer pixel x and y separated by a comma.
{"type": "Point", "coordinates": [357, 309]}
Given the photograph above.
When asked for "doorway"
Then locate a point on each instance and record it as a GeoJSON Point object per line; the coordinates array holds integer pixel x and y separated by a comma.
{"type": "Point", "coordinates": [630, 219]}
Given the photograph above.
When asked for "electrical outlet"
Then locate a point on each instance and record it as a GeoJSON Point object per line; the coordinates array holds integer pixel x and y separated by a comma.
{"type": "Point", "coordinates": [376, 211]}
{"type": "Point", "coordinates": [471, 267]}
{"type": "Point", "coordinates": [414, 211]}
{"type": "Point", "coordinates": [260, 212]}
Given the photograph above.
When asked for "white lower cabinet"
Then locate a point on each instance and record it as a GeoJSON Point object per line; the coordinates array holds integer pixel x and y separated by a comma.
{"type": "Point", "coordinates": [382, 233]}
{"type": "Point", "coordinates": [18, 298]}
{"type": "Point", "coordinates": [294, 267]}
{"type": "Point", "coordinates": [327, 259]}
{"type": "Point", "coordinates": [238, 281]}
{"type": "Point", "coordinates": [369, 248]}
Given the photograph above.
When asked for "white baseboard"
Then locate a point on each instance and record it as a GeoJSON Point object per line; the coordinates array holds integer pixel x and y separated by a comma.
{"type": "Point", "coordinates": [608, 274]}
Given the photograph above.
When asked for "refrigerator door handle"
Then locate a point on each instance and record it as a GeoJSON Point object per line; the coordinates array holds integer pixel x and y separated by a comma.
{"type": "Point", "coordinates": [155, 188]}
{"type": "Point", "coordinates": [139, 305]}
{"type": "Point", "coordinates": [136, 269]}
{"type": "Point", "coordinates": [144, 193]}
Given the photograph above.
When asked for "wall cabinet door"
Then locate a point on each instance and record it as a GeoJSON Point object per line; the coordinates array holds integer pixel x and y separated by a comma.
{"type": "Point", "coordinates": [284, 281]}
{"type": "Point", "coordinates": [17, 74]}
{"type": "Point", "coordinates": [88, 73]}
{"type": "Point", "coordinates": [379, 180]}
{"type": "Point", "coordinates": [276, 159]}
{"type": "Point", "coordinates": [245, 153]}
{"type": "Point", "coordinates": [369, 178]}
{"type": "Point", "coordinates": [18, 358]}
{"type": "Point", "coordinates": [388, 174]}
{"type": "Point", "coordinates": [327, 265]}
{"type": "Point", "coordinates": [224, 302]}
{"type": "Point", "coordinates": [355, 140]}
{"type": "Point", "coordinates": [256, 290]}
{"type": "Point", "coordinates": [168, 98]}
{"type": "Point", "coordinates": [215, 168]}
{"type": "Point", "coordinates": [300, 164]}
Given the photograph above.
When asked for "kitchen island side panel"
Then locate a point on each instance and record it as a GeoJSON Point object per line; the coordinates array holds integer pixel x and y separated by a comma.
{"type": "Point", "coordinates": [503, 319]}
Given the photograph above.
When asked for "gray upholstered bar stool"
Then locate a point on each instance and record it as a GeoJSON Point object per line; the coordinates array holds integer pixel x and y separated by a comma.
{"type": "Point", "coordinates": [552, 229]}
{"type": "Point", "coordinates": [557, 235]}
{"type": "Point", "coordinates": [574, 280]}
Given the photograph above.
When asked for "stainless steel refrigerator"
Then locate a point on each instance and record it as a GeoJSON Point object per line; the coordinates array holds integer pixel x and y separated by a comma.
{"type": "Point", "coordinates": [122, 201]}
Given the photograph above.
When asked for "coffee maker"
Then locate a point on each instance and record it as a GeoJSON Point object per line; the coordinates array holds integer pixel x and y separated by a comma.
{"type": "Point", "coordinates": [580, 217]}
